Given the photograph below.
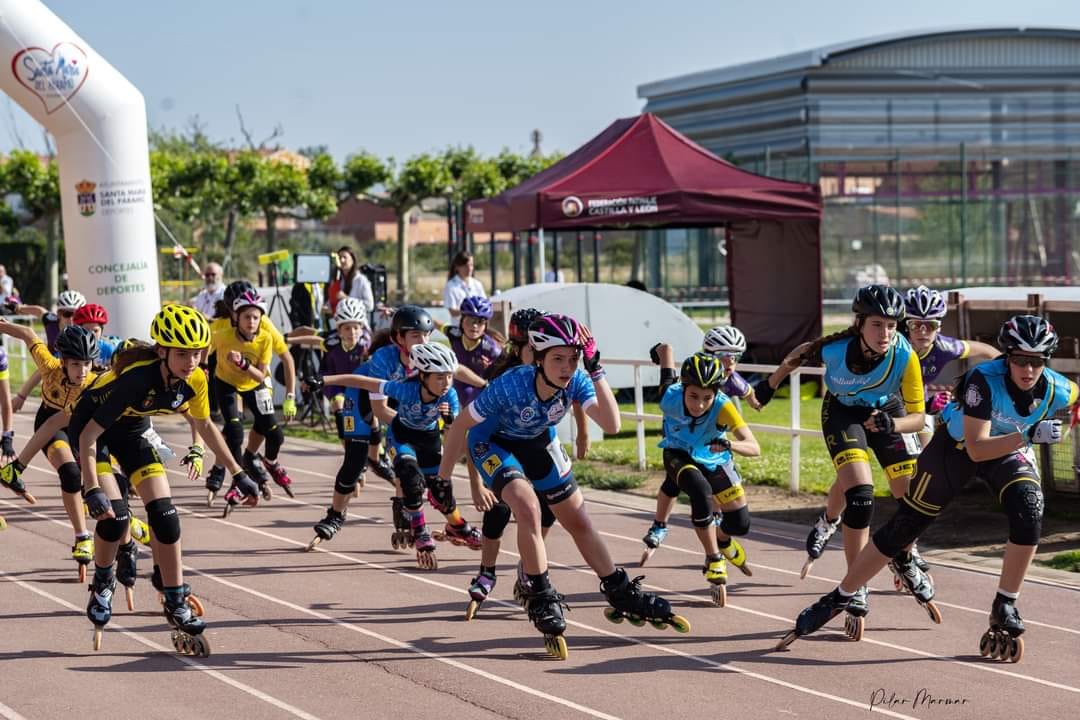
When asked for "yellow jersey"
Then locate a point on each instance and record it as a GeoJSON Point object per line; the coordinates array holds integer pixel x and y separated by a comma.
{"type": "Point", "coordinates": [258, 351]}
{"type": "Point", "coordinates": [57, 391]}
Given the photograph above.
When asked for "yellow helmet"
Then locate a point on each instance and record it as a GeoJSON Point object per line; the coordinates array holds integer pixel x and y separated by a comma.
{"type": "Point", "coordinates": [179, 326]}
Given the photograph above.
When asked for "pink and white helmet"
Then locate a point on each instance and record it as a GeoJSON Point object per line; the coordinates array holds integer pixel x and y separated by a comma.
{"type": "Point", "coordinates": [249, 298]}
{"type": "Point", "coordinates": [553, 330]}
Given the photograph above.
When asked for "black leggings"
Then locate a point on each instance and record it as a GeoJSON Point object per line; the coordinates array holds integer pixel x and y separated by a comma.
{"type": "Point", "coordinates": [266, 425]}
{"type": "Point", "coordinates": [352, 466]}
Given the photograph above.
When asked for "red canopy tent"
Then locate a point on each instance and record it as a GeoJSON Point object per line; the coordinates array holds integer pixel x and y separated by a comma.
{"type": "Point", "coordinates": [641, 173]}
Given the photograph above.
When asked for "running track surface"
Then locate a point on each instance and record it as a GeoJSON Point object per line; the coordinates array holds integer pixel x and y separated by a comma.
{"type": "Point", "coordinates": [355, 629]}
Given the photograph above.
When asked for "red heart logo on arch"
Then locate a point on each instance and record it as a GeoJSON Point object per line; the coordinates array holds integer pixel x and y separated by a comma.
{"type": "Point", "coordinates": [53, 75]}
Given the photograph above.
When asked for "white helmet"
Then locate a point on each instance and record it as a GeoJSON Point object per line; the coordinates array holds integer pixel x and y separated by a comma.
{"type": "Point", "coordinates": [432, 358]}
{"type": "Point", "coordinates": [350, 310]}
{"type": "Point", "coordinates": [70, 300]}
{"type": "Point", "coordinates": [724, 340]}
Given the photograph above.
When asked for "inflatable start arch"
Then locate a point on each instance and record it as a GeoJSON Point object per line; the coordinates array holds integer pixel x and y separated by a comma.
{"type": "Point", "coordinates": [98, 120]}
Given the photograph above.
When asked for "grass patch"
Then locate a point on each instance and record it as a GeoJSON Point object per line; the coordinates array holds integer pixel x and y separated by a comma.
{"type": "Point", "coordinates": [1064, 561]}
{"type": "Point", "coordinates": [601, 477]}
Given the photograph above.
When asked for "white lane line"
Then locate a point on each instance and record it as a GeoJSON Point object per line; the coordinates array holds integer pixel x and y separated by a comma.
{"type": "Point", "coordinates": [258, 694]}
{"type": "Point", "coordinates": [9, 714]}
{"type": "Point", "coordinates": [321, 616]}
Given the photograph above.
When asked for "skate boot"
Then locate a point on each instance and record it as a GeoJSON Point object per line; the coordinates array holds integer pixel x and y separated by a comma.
{"type": "Point", "coordinates": [278, 475]}
{"type": "Point", "coordinates": [11, 478]}
{"type": "Point", "coordinates": [816, 616]}
{"type": "Point", "coordinates": [628, 602]}
{"type": "Point", "coordinates": [653, 539]}
{"type": "Point", "coordinates": [140, 531]}
{"type": "Point", "coordinates": [920, 563]}
{"type": "Point", "coordinates": [735, 555]}
{"type": "Point", "coordinates": [82, 552]}
{"type": "Point", "coordinates": [1002, 641]}
{"type": "Point", "coordinates": [382, 468]}
{"type": "Point", "coordinates": [916, 583]}
{"type": "Point", "coordinates": [715, 572]}
{"type": "Point", "coordinates": [545, 609]}
{"type": "Point", "coordinates": [461, 535]}
{"type": "Point", "coordinates": [257, 471]}
{"type": "Point", "coordinates": [402, 536]}
{"type": "Point", "coordinates": [187, 635]}
{"type": "Point", "coordinates": [817, 540]}
{"type": "Point", "coordinates": [327, 528]}
{"type": "Point", "coordinates": [857, 610]}
{"type": "Point", "coordinates": [214, 480]}
{"type": "Point", "coordinates": [481, 587]}
{"type": "Point", "coordinates": [522, 587]}
{"type": "Point", "coordinates": [126, 556]}
{"type": "Point", "coordinates": [425, 544]}
{"type": "Point", "coordinates": [193, 602]}
{"type": "Point", "coordinates": [99, 609]}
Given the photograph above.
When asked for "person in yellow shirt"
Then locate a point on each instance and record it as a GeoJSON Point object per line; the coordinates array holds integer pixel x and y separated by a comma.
{"type": "Point", "coordinates": [224, 326]}
{"type": "Point", "coordinates": [244, 350]}
{"type": "Point", "coordinates": [62, 381]}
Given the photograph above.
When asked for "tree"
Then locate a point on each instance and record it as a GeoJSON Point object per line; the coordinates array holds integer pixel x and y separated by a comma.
{"type": "Point", "coordinates": [38, 185]}
{"type": "Point", "coordinates": [421, 176]}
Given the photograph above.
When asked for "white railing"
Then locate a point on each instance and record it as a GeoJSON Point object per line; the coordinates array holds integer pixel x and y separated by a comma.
{"type": "Point", "coordinates": [795, 431]}
{"type": "Point", "coordinates": [17, 351]}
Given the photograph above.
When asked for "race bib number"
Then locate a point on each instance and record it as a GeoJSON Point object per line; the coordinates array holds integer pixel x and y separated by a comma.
{"type": "Point", "coordinates": [733, 475]}
{"type": "Point", "coordinates": [264, 401]}
{"type": "Point", "coordinates": [559, 457]}
{"type": "Point", "coordinates": [911, 443]}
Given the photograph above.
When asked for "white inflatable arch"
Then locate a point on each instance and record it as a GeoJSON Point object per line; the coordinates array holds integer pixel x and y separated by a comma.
{"type": "Point", "coordinates": [626, 322]}
{"type": "Point", "coordinates": [98, 120]}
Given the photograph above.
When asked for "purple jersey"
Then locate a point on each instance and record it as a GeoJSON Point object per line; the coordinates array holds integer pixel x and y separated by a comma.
{"type": "Point", "coordinates": [478, 360]}
{"type": "Point", "coordinates": [735, 386]}
{"type": "Point", "coordinates": [337, 361]}
{"type": "Point", "coordinates": [944, 350]}
{"type": "Point", "coordinates": [52, 330]}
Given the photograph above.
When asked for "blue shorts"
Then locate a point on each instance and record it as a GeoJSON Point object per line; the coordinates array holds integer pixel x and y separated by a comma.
{"type": "Point", "coordinates": [541, 460]}
{"type": "Point", "coordinates": [423, 446]}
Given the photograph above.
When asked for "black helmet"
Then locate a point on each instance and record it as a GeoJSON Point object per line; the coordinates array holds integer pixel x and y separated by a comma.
{"type": "Point", "coordinates": [234, 290]}
{"type": "Point", "coordinates": [1029, 333]}
{"type": "Point", "coordinates": [879, 301]}
{"type": "Point", "coordinates": [520, 322]}
{"type": "Point", "coordinates": [702, 370]}
{"type": "Point", "coordinates": [411, 317]}
{"type": "Point", "coordinates": [77, 343]}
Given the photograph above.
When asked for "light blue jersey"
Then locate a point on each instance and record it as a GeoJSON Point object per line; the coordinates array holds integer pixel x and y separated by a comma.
{"type": "Point", "coordinates": [412, 411]}
{"type": "Point", "coordinates": [509, 405]}
{"type": "Point", "coordinates": [694, 436]}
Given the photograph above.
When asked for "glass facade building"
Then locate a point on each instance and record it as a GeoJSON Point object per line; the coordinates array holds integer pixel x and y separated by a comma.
{"type": "Point", "coordinates": [943, 157]}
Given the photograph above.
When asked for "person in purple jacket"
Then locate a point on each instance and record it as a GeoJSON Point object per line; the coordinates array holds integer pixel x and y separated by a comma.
{"type": "Point", "coordinates": [727, 343]}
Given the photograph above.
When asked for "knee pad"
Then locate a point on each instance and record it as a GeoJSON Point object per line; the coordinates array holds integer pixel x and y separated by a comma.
{"type": "Point", "coordinates": [163, 520]}
{"type": "Point", "coordinates": [902, 529]}
{"type": "Point", "coordinates": [234, 434]}
{"type": "Point", "coordinates": [1023, 501]}
{"type": "Point", "coordinates": [736, 522]}
{"type": "Point", "coordinates": [670, 487]}
{"type": "Point", "coordinates": [441, 495]}
{"type": "Point", "coordinates": [412, 481]}
{"type": "Point", "coordinates": [70, 477]}
{"type": "Point", "coordinates": [112, 529]}
{"type": "Point", "coordinates": [694, 484]}
{"type": "Point", "coordinates": [495, 521]}
{"type": "Point", "coordinates": [347, 477]}
{"type": "Point", "coordinates": [860, 507]}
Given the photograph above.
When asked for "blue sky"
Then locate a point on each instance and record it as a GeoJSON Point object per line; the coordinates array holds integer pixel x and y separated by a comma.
{"type": "Point", "coordinates": [398, 78]}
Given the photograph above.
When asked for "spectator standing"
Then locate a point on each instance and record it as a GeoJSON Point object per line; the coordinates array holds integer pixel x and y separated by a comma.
{"type": "Point", "coordinates": [214, 290]}
{"type": "Point", "coordinates": [350, 282]}
{"type": "Point", "coordinates": [460, 284]}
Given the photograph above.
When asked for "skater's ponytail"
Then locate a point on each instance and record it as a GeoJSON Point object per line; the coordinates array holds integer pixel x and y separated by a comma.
{"type": "Point", "coordinates": [507, 361]}
{"type": "Point", "coordinates": [381, 338]}
{"type": "Point", "coordinates": [138, 352]}
{"type": "Point", "coordinates": [814, 349]}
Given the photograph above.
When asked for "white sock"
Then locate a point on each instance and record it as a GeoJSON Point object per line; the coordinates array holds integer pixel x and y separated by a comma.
{"type": "Point", "coordinates": [1006, 593]}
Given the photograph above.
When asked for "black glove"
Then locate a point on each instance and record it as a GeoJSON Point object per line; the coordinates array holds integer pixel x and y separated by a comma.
{"type": "Point", "coordinates": [10, 307]}
{"type": "Point", "coordinates": [97, 502]}
{"type": "Point", "coordinates": [7, 444]}
{"type": "Point", "coordinates": [883, 422]}
{"type": "Point", "coordinates": [763, 392]}
{"type": "Point", "coordinates": [654, 355]}
{"type": "Point", "coordinates": [315, 383]}
{"type": "Point", "coordinates": [719, 444]}
{"type": "Point", "coordinates": [245, 485]}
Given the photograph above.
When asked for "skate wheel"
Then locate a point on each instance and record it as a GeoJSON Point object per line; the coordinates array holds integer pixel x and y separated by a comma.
{"type": "Point", "coordinates": [196, 605]}
{"type": "Point", "coordinates": [1016, 649]}
{"type": "Point", "coordinates": [225, 513]}
{"type": "Point", "coordinates": [311, 545]}
{"type": "Point", "coordinates": [199, 646]}
{"type": "Point", "coordinates": [82, 573]}
{"type": "Point", "coordinates": [719, 595]}
{"type": "Point", "coordinates": [556, 646]}
{"type": "Point", "coordinates": [786, 641]}
{"type": "Point", "coordinates": [746, 570]}
{"type": "Point", "coordinates": [470, 611]}
{"type": "Point", "coordinates": [995, 646]}
{"type": "Point", "coordinates": [176, 641]}
{"type": "Point", "coordinates": [985, 643]}
{"type": "Point", "coordinates": [98, 632]}
{"type": "Point", "coordinates": [130, 593]}
{"type": "Point", "coordinates": [645, 556]}
{"type": "Point", "coordinates": [679, 623]}
{"type": "Point", "coordinates": [898, 584]}
{"type": "Point", "coordinates": [3, 524]}
{"type": "Point", "coordinates": [806, 568]}
{"type": "Point", "coordinates": [853, 627]}
{"type": "Point", "coordinates": [210, 494]}
{"type": "Point", "coordinates": [933, 612]}
{"type": "Point", "coordinates": [289, 492]}
{"type": "Point", "coordinates": [636, 621]}
{"type": "Point", "coordinates": [614, 615]}
{"type": "Point", "coordinates": [30, 499]}
{"type": "Point", "coordinates": [427, 560]}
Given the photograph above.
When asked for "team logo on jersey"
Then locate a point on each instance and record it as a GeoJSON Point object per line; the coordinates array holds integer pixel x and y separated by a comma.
{"type": "Point", "coordinates": [416, 409]}
{"type": "Point", "coordinates": [480, 449]}
{"type": "Point", "coordinates": [555, 412]}
{"type": "Point", "coordinates": [527, 414]}
{"type": "Point", "coordinates": [149, 401]}
{"type": "Point", "coordinates": [973, 398]}
{"type": "Point", "coordinates": [178, 400]}
{"type": "Point", "coordinates": [491, 464]}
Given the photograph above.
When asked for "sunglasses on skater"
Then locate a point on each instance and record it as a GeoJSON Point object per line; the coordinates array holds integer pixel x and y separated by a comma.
{"type": "Point", "coordinates": [923, 324]}
{"type": "Point", "coordinates": [1027, 361]}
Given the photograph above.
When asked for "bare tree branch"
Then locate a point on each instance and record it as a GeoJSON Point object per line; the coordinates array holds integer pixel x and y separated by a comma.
{"type": "Point", "coordinates": [279, 130]}
{"type": "Point", "coordinates": [243, 128]}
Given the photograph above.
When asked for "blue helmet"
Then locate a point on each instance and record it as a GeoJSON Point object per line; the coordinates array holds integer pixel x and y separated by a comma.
{"type": "Point", "coordinates": [477, 306]}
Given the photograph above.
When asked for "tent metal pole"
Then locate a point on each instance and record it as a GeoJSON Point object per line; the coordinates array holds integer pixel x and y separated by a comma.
{"type": "Point", "coordinates": [540, 242]}
{"type": "Point", "coordinates": [494, 251]}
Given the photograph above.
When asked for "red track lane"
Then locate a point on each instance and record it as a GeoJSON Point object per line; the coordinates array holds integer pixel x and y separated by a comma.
{"type": "Point", "coordinates": [356, 628]}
